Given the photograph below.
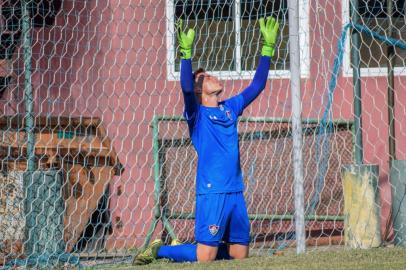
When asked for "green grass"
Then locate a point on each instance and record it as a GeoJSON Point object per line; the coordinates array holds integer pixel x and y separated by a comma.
{"type": "Point", "coordinates": [373, 259]}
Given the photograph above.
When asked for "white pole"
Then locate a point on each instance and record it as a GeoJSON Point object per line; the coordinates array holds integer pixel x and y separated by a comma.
{"type": "Point", "coordinates": [294, 52]}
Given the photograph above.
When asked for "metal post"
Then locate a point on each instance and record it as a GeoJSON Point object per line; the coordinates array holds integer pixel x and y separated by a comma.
{"type": "Point", "coordinates": [28, 96]}
{"type": "Point", "coordinates": [355, 60]}
{"type": "Point", "coordinates": [30, 182]}
{"type": "Point", "coordinates": [157, 183]}
{"type": "Point", "coordinates": [391, 87]}
{"type": "Point", "coordinates": [294, 51]}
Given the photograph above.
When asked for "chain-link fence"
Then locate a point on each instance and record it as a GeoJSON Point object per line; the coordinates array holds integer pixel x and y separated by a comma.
{"type": "Point", "coordinates": [90, 172]}
{"type": "Point", "coordinates": [266, 149]}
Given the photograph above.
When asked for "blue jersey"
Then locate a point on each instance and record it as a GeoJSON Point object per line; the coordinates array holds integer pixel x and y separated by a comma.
{"type": "Point", "coordinates": [214, 131]}
{"type": "Point", "coordinates": [214, 135]}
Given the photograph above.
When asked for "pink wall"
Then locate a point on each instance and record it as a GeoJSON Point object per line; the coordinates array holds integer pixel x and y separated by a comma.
{"type": "Point", "coordinates": [113, 66]}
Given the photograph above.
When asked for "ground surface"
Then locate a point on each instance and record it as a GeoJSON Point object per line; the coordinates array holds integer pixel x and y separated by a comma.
{"type": "Point", "coordinates": [373, 259]}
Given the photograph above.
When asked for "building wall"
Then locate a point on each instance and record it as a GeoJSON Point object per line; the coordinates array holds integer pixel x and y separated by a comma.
{"type": "Point", "coordinates": [107, 59]}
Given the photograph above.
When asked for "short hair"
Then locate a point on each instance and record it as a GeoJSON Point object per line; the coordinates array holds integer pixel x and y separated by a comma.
{"type": "Point", "coordinates": [198, 85]}
{"type": "Point", "coordinates": [197, 72]}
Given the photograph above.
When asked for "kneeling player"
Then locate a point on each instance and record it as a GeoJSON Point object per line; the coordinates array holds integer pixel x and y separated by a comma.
{"type": "Point", "coordinates": [222, 227]}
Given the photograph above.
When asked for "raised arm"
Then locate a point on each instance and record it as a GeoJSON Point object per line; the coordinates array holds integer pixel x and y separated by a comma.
{"type": "Point", "coordinates": [186, 82]}
{"type": "Point", "coordinates": [185, 41]}
{"type": "Point", "coordinates": [258, 83]}
{"type": "Point", "coordinates": [269, 33]}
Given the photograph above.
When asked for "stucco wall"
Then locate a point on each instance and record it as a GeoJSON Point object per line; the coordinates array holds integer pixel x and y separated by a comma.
{"type": "Point", "coordinates": [108, 59]}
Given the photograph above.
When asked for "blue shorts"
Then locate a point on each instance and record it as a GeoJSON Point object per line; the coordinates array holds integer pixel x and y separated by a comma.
{"type": "Point", "coordinates": [222, 217]}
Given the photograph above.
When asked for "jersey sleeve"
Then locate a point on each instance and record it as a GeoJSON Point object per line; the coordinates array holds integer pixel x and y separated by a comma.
{"type": "Point", "coordinates": [191, 119]}
{"type": "Point", "coordinates": [236, 104]}
{"type": "Point", "coordinates": [258, 83]}
{"type": "Point", "coordinates": [191, 105]}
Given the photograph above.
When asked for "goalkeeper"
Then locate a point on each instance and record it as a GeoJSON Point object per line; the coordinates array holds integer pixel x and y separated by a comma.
{"type": "Point", "coordinates": [222, 229]}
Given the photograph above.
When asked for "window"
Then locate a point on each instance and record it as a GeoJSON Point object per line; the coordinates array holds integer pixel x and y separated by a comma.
{"type": "Point", "coordinates": [215, 35]}
{"type": "Point", "coordinates": [251, 44]}
{"type": "Point", "coordinates": [228, 37]}
{"type": "Point", "coordinates": [373, 14]}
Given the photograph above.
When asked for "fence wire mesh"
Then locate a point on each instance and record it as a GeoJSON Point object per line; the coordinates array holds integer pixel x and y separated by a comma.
{"type": "Point", "coordinates": [266, 160]}
{"type": "Point", "coordinates": [102, 71]}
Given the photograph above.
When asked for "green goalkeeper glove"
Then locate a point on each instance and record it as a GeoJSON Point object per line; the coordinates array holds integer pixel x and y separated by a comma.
{"type": "Point", "coordinates": [185, 40]}
{"type": "Point", "coordinates": [269, 33]}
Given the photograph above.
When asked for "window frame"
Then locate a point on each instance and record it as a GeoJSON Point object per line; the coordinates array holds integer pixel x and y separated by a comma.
{"type": "Point", "coordinates": [173, 75]}
{"type": "Point", "coordinates": [365, 71]}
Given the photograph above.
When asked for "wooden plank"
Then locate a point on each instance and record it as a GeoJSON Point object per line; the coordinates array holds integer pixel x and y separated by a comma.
{"type": "Point", "coordinates": [96, 157]}
{"type": "Point", "coordinates": [20, 152]}
{"type": "Point", "coordinates": [82, 142]}
{"type": "Point", "coordinates": [89, 161]}
{"type": "Point", "coordinates": [96, 144]}
{"type": "Point", "coordinates": [55, 160]}
{"type": "Point", "coordinates": [119, 169]}
{"type": "Point", "coordinates": [51, 140]}
{"type": "Point", "coordinates": [83, 190]}
{"type": "Point", "coordinates": [45, 162]}
{"type": "Point", "coordinates": [17, 120]}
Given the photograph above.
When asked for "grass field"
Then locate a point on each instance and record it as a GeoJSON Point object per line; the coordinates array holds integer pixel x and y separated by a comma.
{"type": "Point", "coordinates": [373, 259]}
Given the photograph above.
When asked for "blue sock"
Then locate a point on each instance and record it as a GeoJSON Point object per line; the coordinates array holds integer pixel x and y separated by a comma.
{"type": "Point", "coordinates": [222, 253]}
{"type": "Point", "coordinates": [179, 253]}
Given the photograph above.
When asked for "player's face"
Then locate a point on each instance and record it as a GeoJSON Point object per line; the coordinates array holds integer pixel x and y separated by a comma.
{"type": "Point", "coordinates": [212, 85]}
{"type": "Point", "coordinates": [208, 85]}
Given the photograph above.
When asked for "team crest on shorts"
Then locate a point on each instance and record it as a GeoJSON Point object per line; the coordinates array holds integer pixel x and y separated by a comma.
{"type": "Point", "coordinates": [213, 229]}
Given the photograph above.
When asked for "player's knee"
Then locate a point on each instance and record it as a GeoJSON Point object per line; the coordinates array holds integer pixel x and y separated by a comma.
{"type": "Point", "coordinates": [206, 254]}
{"type": "Point", "coordinates": [239, 252]}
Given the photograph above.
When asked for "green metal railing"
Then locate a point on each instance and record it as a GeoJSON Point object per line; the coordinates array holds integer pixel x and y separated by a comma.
{"type": "Point", "coordinates": [161, 215]}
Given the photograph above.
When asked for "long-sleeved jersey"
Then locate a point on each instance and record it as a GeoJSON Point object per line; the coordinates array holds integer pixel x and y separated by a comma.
{"type": "Point", "coordinates": [214, 134]}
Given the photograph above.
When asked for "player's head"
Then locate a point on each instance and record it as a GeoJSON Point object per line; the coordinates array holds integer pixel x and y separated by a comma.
{"type": "Point", "coordinates": [206, 86]}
